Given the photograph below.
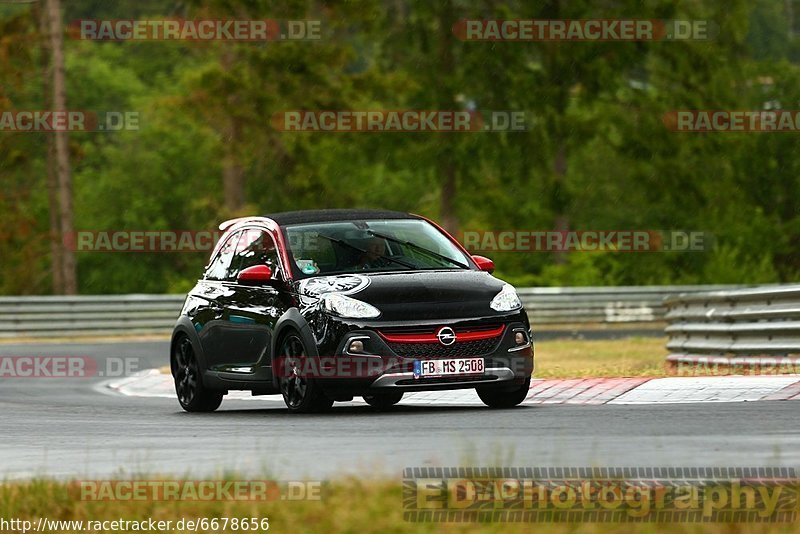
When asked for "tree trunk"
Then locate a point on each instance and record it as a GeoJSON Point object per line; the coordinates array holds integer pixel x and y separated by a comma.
{"type": "Point", "coordinates": [57, 243]}
{"type": "Point", "coordinates": [448, 169]}
{"type": "Point", "coordinates": [449, 190]}
{"type": "Point", "coordinates": [559, 68]}
{"type": "Point", "coordinates": [62, 148]}
{"type": "Point", "coordinates": [56, 263]}
{"type": "Point", "coordinates": [560, 200]}
{"type": "Point", "coordinates": [232, 171]}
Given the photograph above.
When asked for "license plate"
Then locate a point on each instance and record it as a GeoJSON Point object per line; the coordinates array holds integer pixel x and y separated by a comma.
{"type": "Point", "coordinates": [461, 366]}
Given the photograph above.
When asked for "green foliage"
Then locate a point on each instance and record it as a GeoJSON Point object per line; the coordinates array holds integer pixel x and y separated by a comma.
{"type": "Point", "coordinates": [599, 105]}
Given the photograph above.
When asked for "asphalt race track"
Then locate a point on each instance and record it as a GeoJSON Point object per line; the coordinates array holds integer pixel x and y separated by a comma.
{"type": "Point", "coordinates": [67, 427]}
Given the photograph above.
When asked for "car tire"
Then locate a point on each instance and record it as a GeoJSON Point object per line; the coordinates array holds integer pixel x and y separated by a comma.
{"type": "Point", "coordinates": [383, 401]}
{"type": "Point", "coordinates": [503, 398]}
{"type": "Point", "coordinates": [301, 394]}
{"type": "Point", "coordinates": [192, 394]}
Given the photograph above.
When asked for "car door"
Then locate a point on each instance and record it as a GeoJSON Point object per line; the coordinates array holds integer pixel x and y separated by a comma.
{"type": "Point", "coordinates": [213, 291]}
{"type": "Point", "coordinates": [249, 312]}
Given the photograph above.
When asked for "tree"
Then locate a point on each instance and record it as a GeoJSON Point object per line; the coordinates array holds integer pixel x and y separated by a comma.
{"type": "Point", "coordinates": [63, 170]}
{"type": "Point", "coordinates": [56, 261]}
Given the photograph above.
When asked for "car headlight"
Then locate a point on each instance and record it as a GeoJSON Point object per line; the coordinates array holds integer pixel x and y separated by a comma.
{"type": "Point", "coordinates": [344, 306]}
{"type": "Point", "coordinates": [506, 300]}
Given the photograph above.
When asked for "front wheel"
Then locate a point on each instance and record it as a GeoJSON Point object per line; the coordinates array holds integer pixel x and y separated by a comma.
{"type": "Point", "coordinates": [502, 398]}
{"type": "Point", "coordinates": [193, 396]}
{"type": "Point", "coordinates": [300, 393]}
{"type": "Point", "coordinates": [383, 401]}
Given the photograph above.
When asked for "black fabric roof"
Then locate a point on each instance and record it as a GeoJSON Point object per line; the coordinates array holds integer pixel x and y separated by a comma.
{"type": "Point", "coordinates": [309, 216]}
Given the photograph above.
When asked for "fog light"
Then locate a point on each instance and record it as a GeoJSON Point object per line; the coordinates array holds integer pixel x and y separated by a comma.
{"type": "Point", "coordinates": [519, 338]}
{"type": "Point", "coordinates": [356, 346]}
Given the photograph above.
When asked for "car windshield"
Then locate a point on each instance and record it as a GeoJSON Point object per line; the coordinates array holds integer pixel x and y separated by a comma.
{"type": "Point", "coordinates": [371, 246]}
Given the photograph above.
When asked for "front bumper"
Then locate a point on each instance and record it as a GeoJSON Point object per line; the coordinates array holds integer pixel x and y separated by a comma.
{"type": "Point", "coordinates": [407, 381]}
{"type": "Point", "coordinates": [388, 366]}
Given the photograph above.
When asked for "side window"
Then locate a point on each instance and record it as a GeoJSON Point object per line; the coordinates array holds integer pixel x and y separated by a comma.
{"type": "Point", "coordinates": [256, 247]}
{"type": "Point", "coordinates": [219, 266]}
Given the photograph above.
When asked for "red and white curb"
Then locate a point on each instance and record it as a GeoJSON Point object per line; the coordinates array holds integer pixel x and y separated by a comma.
{"type": "Point", "coordinates": [590, 391]}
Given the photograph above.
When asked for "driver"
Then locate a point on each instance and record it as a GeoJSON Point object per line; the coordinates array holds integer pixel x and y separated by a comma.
{"type": "Point", "coordinates": [373, 255]}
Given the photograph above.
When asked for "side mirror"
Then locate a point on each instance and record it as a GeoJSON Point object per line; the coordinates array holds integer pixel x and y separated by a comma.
{"type": "Point", "coordinates": [484, 263]}
{"type": "Point", "coordinates": [255, 275]}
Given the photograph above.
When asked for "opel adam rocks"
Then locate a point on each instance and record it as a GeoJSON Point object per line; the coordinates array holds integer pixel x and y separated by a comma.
{"type": "Point", "coordinates": [322, 306]}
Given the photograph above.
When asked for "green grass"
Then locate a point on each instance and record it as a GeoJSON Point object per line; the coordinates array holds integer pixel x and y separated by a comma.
{"type": "Point", "coordinates": [619, 357]}
{"type": "Point", "coordinates": [347, 506]}
{"type": "Point", "coordinates": [624, 357]}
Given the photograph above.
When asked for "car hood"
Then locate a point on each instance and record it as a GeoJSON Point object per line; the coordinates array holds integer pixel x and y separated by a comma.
{"type": "Point", "coordinates": [419, 295]}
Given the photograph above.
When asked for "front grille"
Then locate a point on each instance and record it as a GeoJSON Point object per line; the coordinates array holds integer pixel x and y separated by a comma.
{"type": "Point", "coordinates": [437, 350]}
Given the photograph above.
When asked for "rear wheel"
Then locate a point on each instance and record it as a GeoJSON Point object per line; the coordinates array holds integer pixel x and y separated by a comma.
{"type": "Point", "coordinates": [301, 394]}
{"type": "Point", "coordinates": [193, 396]}
{"type": "Point", "coordinates": [383, 401]}
{"type": "Point", "coordinates": [503, 398]}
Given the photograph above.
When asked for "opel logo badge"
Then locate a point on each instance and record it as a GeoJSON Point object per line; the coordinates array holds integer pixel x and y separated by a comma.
{"type": "Point", "coordinates": [446, 336]}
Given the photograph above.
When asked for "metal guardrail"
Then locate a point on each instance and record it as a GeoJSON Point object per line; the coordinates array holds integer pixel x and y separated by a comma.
{"type": "Point", "coordinates": [88, 315]}
{"type": "Point", "coordinates": [554, 306]}
{"type": "Point", "coordinates": [550, 307]}
{"type": "Point", "coordinates": [760, 321]}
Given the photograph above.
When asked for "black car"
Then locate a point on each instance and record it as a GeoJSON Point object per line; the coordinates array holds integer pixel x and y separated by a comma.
{"type": "Point", "coordinates": [321, 306]}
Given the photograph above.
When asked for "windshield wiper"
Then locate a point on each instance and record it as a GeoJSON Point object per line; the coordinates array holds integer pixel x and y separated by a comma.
{"type": "Point", "coordinates": [420, 248]}
{"type": "Point", "coordinates": [352, 246]}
